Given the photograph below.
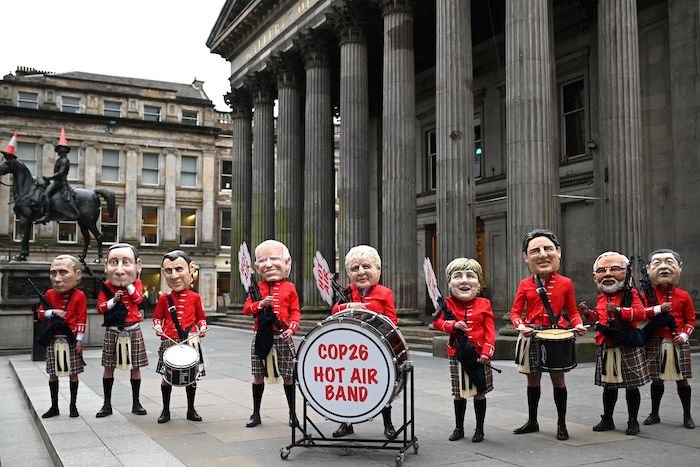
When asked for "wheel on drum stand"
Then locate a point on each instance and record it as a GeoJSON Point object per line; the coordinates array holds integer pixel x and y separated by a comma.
{"type": "Point", "coordinates": [399, 460]}
{"type": "Point", "coordinates": [284, 453]}
{"type": "Point", "coordinates": [415, 447]}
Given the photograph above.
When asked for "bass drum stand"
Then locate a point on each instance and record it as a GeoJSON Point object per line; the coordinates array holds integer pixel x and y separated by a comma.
{"type": "Point", "coordinates": [312, 437]}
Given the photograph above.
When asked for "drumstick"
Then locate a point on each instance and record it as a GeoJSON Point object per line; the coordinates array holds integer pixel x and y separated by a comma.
{"type": "Point", "coordinates": [171, 340]}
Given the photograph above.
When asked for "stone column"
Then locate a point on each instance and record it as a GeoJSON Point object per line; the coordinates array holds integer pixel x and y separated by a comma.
{"type": "Point", "coordinates": [349, 18]}
{"type": "Point", "coordinates": [620, 127]}
{"type": "Point", "coordinates": [399, 261]}
{"type": "Point", "coordinates": [531, 162]}
{"type": "Point", "coordinates": [241, 153]}
{"type": "Point", "coordinates": [454, 129]}
{"type": "Point", "coordinates": [289, 171]}
{"type": "Point", "coordinates": [131, 217]}
{"type": "Point", "coordinates": [319, 195]}
{"type": "Point", "coordinates": [209, 185]}
{"type": "Point", "coordinates": [684, 61]}
{"type": "Point", "coordinates": [263, 165]}
{"type": "Point", "coordinates": [171, 215]}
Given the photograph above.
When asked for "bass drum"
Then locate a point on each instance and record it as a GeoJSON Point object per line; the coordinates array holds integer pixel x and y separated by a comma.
{"type": "Point", "coordinates": [351, 365]}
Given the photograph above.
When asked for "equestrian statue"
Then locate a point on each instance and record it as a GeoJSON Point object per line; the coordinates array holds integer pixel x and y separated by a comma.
{"type": "Point", "coordinates": [52, 198]}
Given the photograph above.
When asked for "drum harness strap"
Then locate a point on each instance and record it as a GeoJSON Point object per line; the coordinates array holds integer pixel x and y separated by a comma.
{"type": "Point", "coordinates": [173, 315]}
{"type": "Point", "coordinates": [542, 292]}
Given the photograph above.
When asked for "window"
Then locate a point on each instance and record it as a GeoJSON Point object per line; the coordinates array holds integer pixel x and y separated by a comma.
{"type": "Point", "coordinates": [478, 149]}
{"type": "Point", "coordinates": [225, 235]}
{"type": "Point", "coordinates": [70, 104]}
{"type": "Point", "coordinates": [190, 117]}
{"type": "Point", "coordinates": [110, 165]}
{"type": "Point", "coordinates": [188, 171]}
{"type": "Point", "coordinates": [112, 109]}
{"type": "Point", "coordinates": [17, 234]}
{"type": "Point", "coordinates": [68, 232]}
{"type": "Point", "coordinates": [188, 227]}
{"type": "Point", "coordinates": [151, 113]}
{"type": "Point", "coordinates": [431, 157]}
{"type": "Point", "coordinates": [109, 226]}
{"type": "Point", "coordinates": [73, 170]}
{"type": "Point", "coordinates": [28, 100]}
{"type": "Point", "coordinates": [150, 172]}
{"type": "Point", "coordinates": [573, 118]}
{"type": "Point", "coordinates": [149, 225]}
{"type": "Point", "coordinates": [26, 152]}
{"type": "Point", "coordinates": [226, 174]}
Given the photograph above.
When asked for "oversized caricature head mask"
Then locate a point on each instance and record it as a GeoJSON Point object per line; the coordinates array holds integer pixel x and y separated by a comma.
{"type": "Point", "coordinates": [123, 264]}
{"type": "Point", "coordinates": [542, 252]}
{"type": "Point", "coordinates": [272, 261]}
{"type": "Point", "coordinates": [664, 267]}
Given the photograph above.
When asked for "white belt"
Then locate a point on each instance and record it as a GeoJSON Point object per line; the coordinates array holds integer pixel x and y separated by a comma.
{"type": "Point", "coordinates": [126, 328]}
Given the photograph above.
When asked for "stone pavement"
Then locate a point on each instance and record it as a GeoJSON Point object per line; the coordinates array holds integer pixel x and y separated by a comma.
{"type": "Point", "coordinates": [224, 400]}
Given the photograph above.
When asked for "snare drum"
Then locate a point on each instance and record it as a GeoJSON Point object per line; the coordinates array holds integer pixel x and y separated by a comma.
{"type": "Point", "coordinates": [180, 365]}
{"type": "Point", "coordinates": [556, 350]}
{"type": "Point", "coordinates": [351, 365]}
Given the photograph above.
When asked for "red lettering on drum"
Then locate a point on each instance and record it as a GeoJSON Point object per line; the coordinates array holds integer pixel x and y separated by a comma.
{"type": "Point", "coordinates": [346, 393]}
{"type": "Point", "coordinates": [340, 351]}
{"type": "Point", "coordinates": [364, 376]}
{"type": "Point", "coordinates": [328, 374]}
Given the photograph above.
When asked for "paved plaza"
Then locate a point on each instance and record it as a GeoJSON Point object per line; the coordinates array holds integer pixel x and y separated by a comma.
{"type": "Point", "coordinates": [224, 401]}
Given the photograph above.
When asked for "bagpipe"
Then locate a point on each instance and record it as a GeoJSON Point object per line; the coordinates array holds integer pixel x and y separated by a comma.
{"type": "Point", "coordinates": [58, 325]}
{"type": "Point", "coordinates": [117, 315]}
{"type": "Point", "coordinates": [618, 331]}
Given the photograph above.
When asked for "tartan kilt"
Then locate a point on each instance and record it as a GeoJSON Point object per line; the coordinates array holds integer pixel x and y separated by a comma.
{"type": "Point", "coordinates": [139, 358]}
{"type": "Point", "coordinates": [285, 358]}
{"type": "Point", "coordinates": [653, 349]}
{"type": "Point", "coordinates": [454, 377]}
{"type": "Point", "coordinates": [164, 344]}
{"type": "Point", "coordinates": [76, 359]}
{"type": "Point", "coordinates": [635, 371]}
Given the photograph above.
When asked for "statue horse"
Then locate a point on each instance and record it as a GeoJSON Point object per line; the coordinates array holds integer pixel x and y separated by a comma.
{"type": "Point", "coordinates": [27, 209]}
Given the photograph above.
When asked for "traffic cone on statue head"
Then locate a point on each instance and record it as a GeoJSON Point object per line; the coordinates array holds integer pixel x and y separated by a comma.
{"type": "Point", "coordinates": [11, 146]}
{"type": "Point", "coordinates": [62, 145]}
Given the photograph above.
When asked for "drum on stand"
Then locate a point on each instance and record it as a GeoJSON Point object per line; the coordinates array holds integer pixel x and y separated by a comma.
{"type": "Point", "coordinates": [556, 350]}
{"type": "Point", "coordinates": [350, 366]}
{"type": "Point", "coordinates": [180, 364]}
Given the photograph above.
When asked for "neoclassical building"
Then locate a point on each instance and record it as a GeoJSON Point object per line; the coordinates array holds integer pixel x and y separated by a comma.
{"type": "Point", "coordinates": [463, 125]}
{"type": "Point", "coordinates": [161, 147]}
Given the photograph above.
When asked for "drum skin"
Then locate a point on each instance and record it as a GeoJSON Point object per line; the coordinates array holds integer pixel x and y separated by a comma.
{"type": "Point", "coordinates": [180, 364]}
{"type": "Point", "coordinates": [350, 366]}
{"type": "Point", "coordinates": [556, 350]}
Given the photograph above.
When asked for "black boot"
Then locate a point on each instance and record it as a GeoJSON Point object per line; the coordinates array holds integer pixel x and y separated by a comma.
{"type": "Point", "coordinates": [343, 430]}
{"type": "Point", "coordinates": [633, 400]}
{"type": "Point", "coordinates": [136, 407]}
{"type": "Point", "coordinates": [73, 398]}
{"type": "Point", "coordinates": [53, 411]}
{"type": "Point", "coordinates": [560, 397]}
{"type": "Point", "coordinates": [480, 413]}
{"type": "Point", "coordinates": [606, 420]}
{"type": "Point", "coordinates": [389, 431]}
{"type": "Point", "coordinates": [165, 392]}
{"type": "Point", "coordinates": [107, 406]}
{"type": "Point", "coordinates": [291, 402]}
{"type": "Point", "coordinates": [257, 399]}
{"type": "Point", "coordinates": [533, 400]}
{"type": "Point", "coordinates": [657, 392]}
{"type": "Point", "coordinates": [192, 414]}
{"type": "Point", "coordinates": [460, 408]}
{"type": "Point", "coordinates": [684, 393]}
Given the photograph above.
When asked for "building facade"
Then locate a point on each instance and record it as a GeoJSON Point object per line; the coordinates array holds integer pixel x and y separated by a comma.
{"type": "Point", "coordinates": [161, 148]}
{"type": "Point", "coordinates": [463, 125]}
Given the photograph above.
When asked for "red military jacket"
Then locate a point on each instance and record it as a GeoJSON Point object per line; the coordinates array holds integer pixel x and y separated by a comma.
{"type": "Point", "coordinates": [131, 302]}
{"type": "Point", "coordinates": [481, 329]}
{"type": "Point", "coordinates": [378, 299]}
{"type": "Point", "coordinates": [682, 310]}
{"type": "Point", "coordinates": [76, 313]}
{"type": "Point", "coordinates": [285, 304]}
{"type": "Point", "coordinates": [188, 304]}
{"type": "Point", "coordinates": [560, 291]}
{"type": "Point", "coordinates": [631, 314]}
